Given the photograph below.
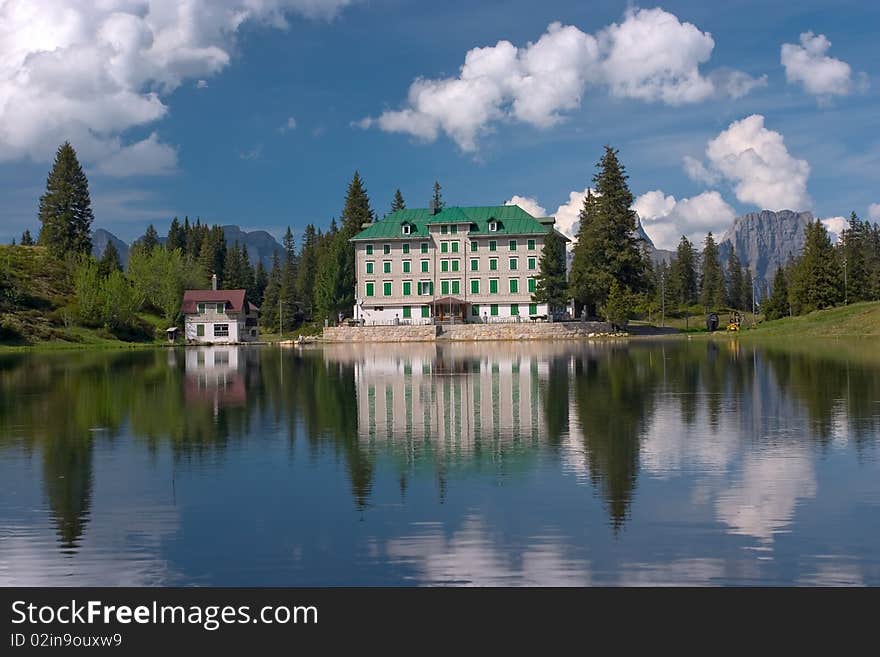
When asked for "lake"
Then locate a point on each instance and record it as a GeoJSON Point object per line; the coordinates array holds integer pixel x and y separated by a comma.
{"type": "Point", "coordinates": [684, 462]}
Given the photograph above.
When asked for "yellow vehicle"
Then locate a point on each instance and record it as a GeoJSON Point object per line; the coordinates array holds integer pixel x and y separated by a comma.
{"type": "Point", "coordinates": [735, 322]}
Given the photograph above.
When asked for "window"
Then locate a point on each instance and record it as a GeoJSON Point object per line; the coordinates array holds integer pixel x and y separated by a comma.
{"type": "Point", "coordinates": [444, 229]}
{"type": "Point", "coordinates": [533, 309]}
{"type": "Point", "coordinates": [406, 248]}
{"type": "Point", "coordinates": [200, 330]}
{"type": "Point", "coordinates": [386, 288]}
{"type": "Point", "coordinates": [493, 310]}
{"type": "Point", "coordinates": [493, 264]}
{"type": "Point", "coordinates": [444, 287]}
{"type": "Point", "coordinates": [531, 285]}
{"type": "Point", "coordinates": [531, 245]}
{"type": "Point", "coordinates": [426, 287]}
{"type": "Point", "coordinates": [513, 263]}
{"type": "Point", "coordinates": [493, 286]}
{"type": "Point", "coordinates": [493, 245]}
{"type": "Point", "coordinates": [424, 247]}
{"type": "Point", "coordinates": [407, 288]}
{"type": "Point", "coordinates": [386, 249]}
{"type": "Point", "coordinates": [514, 286]}
{"type": "Point", "coordinates": [456, 287]}
{"type": "Point", "coordinates": [425, 266]}
{"type": "Point", "coordinates": [455, 265]}
{"type": "Point", "coordinates": [532, 263]}
{"type": "Point", "coordinates": [475, 310]}
{"type": "Point", "coordinates": [453, 229]}
{"type": "Point", "coordinates": [386, 267]}
{"type": "Point", "coordinates": [444, 265]}
{"type": "Point", "coordinates": [407, 312]}
{"type": "Point", "coordinates": [475, 264]}
{"type": "Point", "coordinates": [475, 286]}
{"type": "Point", "coordinates": [221, 330]}
{"type": "Point", "coordinates": [474, 245]}
{"type": "Point", "coordinates": [444, 247]}
{"type": "Point", "coordinates": [406, 229]}
{"type": "Point", "coordinates": [407, 266]}
{"type": "Point", "coordinates": [512, 245]}
{"type": "Point", "coordinates": [514, 309]}
{"type": "Point", "coordinates": [455, 247]}
{"type": "Point", "coordinates": [426, 311]}
{"type": "Point", "coordinates": [369, 267]}
{"type": "Point", "coordinates": [369, 249]}
{"type": "Point", "coordinates": [493, 226]}
{"type": "Point", "coordinates": [371, 289]}
{"type": "Point", "coordinates": [201, 308]}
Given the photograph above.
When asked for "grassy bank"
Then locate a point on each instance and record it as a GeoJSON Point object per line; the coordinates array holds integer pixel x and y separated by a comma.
{"type": "Point", "coordinates": [857, 320]}
{"type": "Point", "coordinates": [37, 309]}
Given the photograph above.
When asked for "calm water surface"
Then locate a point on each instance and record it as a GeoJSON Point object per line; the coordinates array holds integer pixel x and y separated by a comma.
{"type": "Point", "coordinates": [554, 464]}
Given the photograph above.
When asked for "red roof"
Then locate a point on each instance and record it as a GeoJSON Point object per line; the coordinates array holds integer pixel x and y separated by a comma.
{"type": "Point", "coordinates": [191, 299]}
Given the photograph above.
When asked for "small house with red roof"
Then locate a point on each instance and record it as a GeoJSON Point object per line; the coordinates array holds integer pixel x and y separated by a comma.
{"type": "Point", "coordinates": [218, 316]}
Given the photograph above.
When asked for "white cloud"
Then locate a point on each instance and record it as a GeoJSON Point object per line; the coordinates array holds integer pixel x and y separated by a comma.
{"type": "Point", "coordinates": [146, 157]}
{"type": "Point", "coordinates": [528, 204]}
{"type": "Point", "coordinates": [568, 221]}
{"type": "Point", "coordinates": [201, 84]}
{"type": "Point", "coordinates": [650, 56]}
{"type": "Point", "coordinates": [757, 163]}
{"type": "Point", "coordinates": [665, 219]}
{"type": "Point", "coordinates": [835, 226]}
{"type": "Point", "coordinates": [874, 212]}
{"type": "Point", "coordinates": [90, 71]}
{"type": "Point", "coordinates": [290, 124]}
{"type": "Point", "coordinates": [819, 74]}
{"type": "Point", "coordinates": [252, 154]}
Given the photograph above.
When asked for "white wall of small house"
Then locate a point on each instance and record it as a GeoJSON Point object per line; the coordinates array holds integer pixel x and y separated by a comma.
{"type": "Point", "coordinates": [192, 322]}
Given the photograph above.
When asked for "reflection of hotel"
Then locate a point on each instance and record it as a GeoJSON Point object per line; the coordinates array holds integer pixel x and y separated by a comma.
{"type": "Point", "coordinates": [216, 375]}
{"type": "Point", "coordinates": [455, 399]}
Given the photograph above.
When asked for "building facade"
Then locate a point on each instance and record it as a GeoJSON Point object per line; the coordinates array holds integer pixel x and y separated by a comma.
{"type": "Point", "coordinates": [463, 264]}
{"type": "Point", "coordinates": [219, 316]}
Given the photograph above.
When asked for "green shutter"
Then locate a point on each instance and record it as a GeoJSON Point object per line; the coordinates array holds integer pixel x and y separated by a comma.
{"type": "Point", "coordinates": [406, 266]}
{"type": "Point", "coordinates": [444, 229]}
{"type": "Point", "coordinates": [514, 286]}
{"type": "Point", "coordinates": [371, 288]}
{"type": "Point", "coordinates": [386, 267]}
{"type": "Point", "coordinates": [200, 330]}
{"type": "Point", "coordinates": [426, 311]}
{"type": "Point", "coordinates": [407, 288]}
{"type": "Point", "coordinates": [386, 289]}
{"type": "Point", "coordinates": [531, 285]}
{"type": "Point", "coordinates": [473, 245]}
{"type": "Point", "coordinates": [475, 286]}
{"type": "Point", "coordinates": [493, 286]}
{"type": "Point", "coordinates": [424, 247]}
{"type": "Point", "coordinates": [493, 245]}
{"type": "Point", "coordinates": [425, 266]}
{"type": "Point", "coordinates": [369, 249]}
{"type": "Point", "coordinates": [369, 267]}
{"type": "Point", "coordinates": [455, 265]}
{"type": "Point", "coordinates": [475, 265]}
{"type": "Point", "coordinates": [512, 245]}
{"type": "Point", "coordinates": [512, 263]}
{"type": "Point", "coordinates": [475, 310]}
{"type": "Point", "coordinates": [456, 287]}
{"type": "Point", "coordinates": [514, 309]}
{"type": "Point", "coordinates": [493, 310]}
{"type": "Point", "coordinates": [386, 249]}
{"type": "Point", "coordinates": [531, 263]}
{"type": "Point", "coordinates": [453, 228]}
{"type": "Point", "coordinates": [407, 312]}
{"type": "Point", "coordinates": [455, 247]}
{"type": "Point", "coordinates": [406, 248]}
{"type": "Point", "coordinates": [533, 309]}
{"type": "Point", "coordinates": [531, 245]}
{"type": "Point", "coordinates": [493, 264]}
{"type": "Point", "coordinates": [444, 287]}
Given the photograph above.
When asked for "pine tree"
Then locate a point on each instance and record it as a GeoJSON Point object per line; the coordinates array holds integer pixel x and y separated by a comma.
{"type": "Point", "coordinates": [397, 203]}
{"type": "Point", "coordinates": [109, 260]}
{"type": "Point", "coordinates": [212, 253]}
{"type": "Point", "coordinates": [261, 280]}
{"type": "Point", "coordinates": [307, 266]}
{"type": "Point", "coordinates": [818, 273]}
{"type": "Point", "coordinates": [683, 274]}
{"type": "Point", "coordinates": [747, 292]}
{"type": "Point", "coordinates": [289, 301]}
{"type": "Point", "coordinates": [248, 275]}
{"type": "Point", "coordinates": [733, 289]}
{"type": "Point", "coordinates": [711, 278]}
{"type": "Point", "coordinates": [607, 249]}
{"type": "Point", "coordinates": [176, 237]}
{"type": "Point", "coordinates": [437, 203]}
{"type": "Point", "coordinates": [856, 251]}
{"type": "Point", "coordinates": [150, 240]}
{"type": "Point", "coordinates": [66, 207]}
{"type": "Point", "coordinates": [617, 308]}
{"type": "Point", "coordinates": [26, 239]}
{"type": "Point", "coordinates": [271, 296]}
{"type": "Point", "coordinates": [777, 305]}
{"type": "Point", "coordinates": [233, 278]}
{"type": "Point", "coordinates": [550, 284]}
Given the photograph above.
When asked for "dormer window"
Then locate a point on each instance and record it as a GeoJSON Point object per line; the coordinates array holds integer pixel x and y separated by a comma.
{"type": "Point", "coordinates": [493, 226]}
{"type": "Point", "coordinates": [407, 229]}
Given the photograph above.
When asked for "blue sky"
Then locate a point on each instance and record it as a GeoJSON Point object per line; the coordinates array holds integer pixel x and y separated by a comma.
{"type": "Point", "coordinates": [189, 114]}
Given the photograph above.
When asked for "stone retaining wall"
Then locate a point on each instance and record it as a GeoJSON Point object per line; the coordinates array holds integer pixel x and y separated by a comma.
{"type": "Point", "coordinates": [464, 332]}
{"type": "Point", "coordinates": [423, 333]}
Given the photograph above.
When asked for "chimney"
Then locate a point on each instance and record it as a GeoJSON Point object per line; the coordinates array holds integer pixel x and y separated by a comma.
{"type": "Point", "coordinates": [214, 282]}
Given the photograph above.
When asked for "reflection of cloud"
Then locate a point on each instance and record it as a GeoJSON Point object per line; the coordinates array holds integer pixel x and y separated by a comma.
{"type": "Point", "coordinates": [762, 502]}
{"type": "Point", "coordinates": [834, 573]}
{"type": "Point", "coordinates": [470, 557]}
{"type": "Point", "coordinates": [670, 444]}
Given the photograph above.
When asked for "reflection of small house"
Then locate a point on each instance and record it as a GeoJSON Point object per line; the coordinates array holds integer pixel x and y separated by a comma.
{"type": "Point", "coordinates": [214, 315]}
{"type": "Point", "coordinates": [215, 374]}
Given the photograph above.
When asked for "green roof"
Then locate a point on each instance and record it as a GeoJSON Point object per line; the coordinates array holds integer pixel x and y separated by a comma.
{"type": "Point", "coordinates": [512, 220]}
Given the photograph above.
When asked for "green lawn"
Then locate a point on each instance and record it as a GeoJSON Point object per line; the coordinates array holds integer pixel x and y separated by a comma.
{"type": "Point", "coordinates": [857, 320]}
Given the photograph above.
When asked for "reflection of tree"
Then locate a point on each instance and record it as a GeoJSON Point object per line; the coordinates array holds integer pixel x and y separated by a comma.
{"type": "Point", "coordinates": [67, 476]}
{"type": "Point", "coordinates": [555, 398]}
{"type": "Point", "coordinates": [613, 392]}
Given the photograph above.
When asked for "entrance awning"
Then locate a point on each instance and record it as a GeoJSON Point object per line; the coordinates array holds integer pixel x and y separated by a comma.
{"type": "Point", "coordinates": [448, 301]}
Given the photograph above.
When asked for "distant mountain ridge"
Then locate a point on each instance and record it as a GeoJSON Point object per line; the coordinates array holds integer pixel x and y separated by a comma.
{"type": "Point", "coordinates": [260, 244]}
